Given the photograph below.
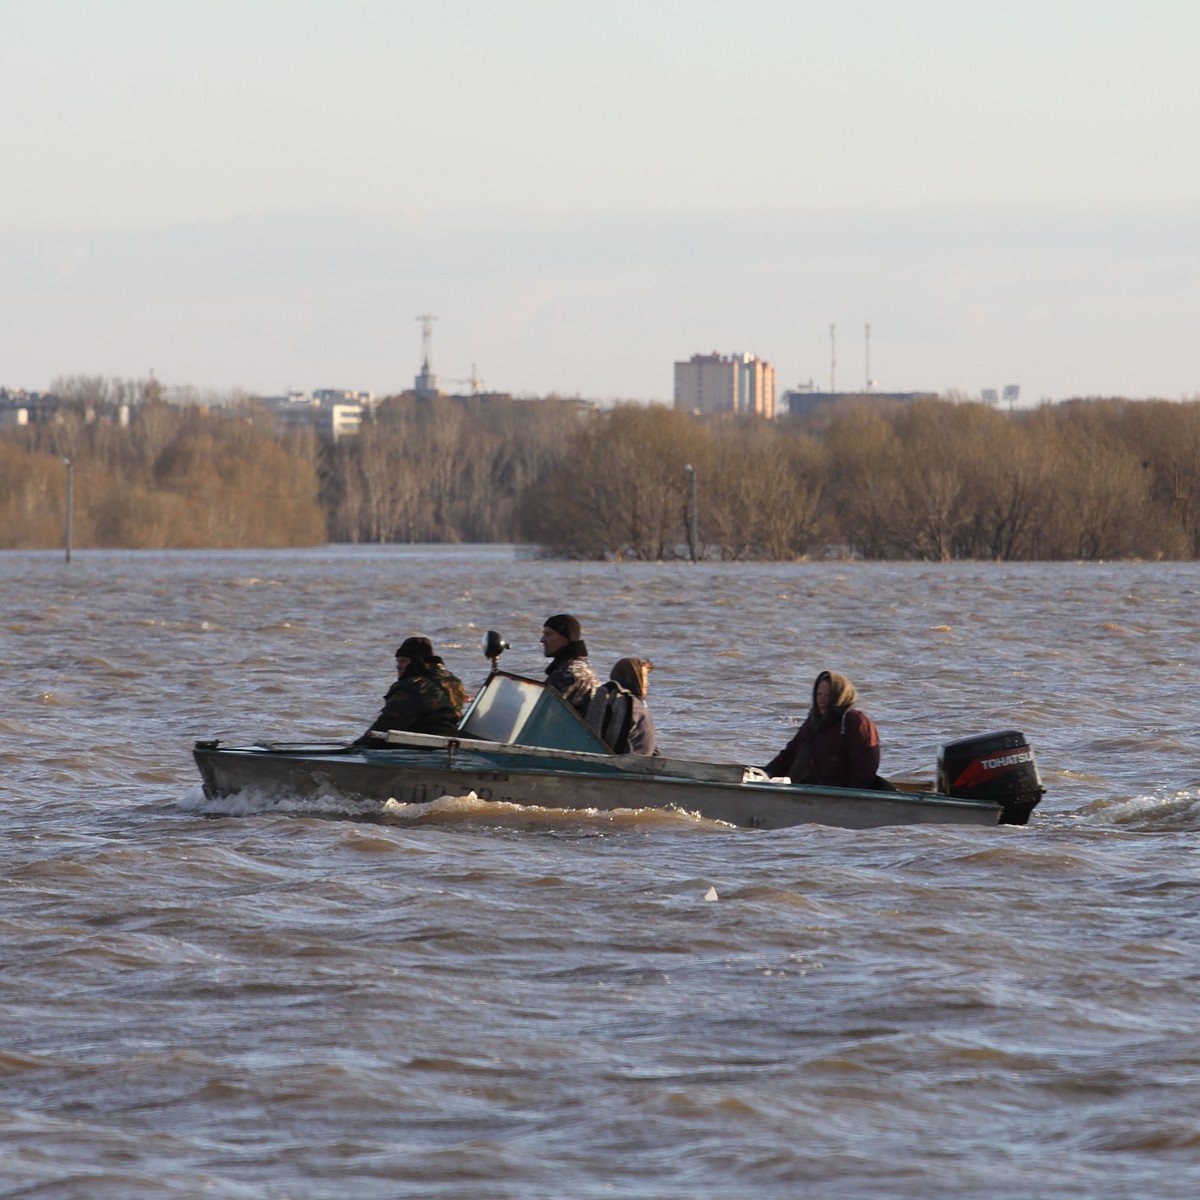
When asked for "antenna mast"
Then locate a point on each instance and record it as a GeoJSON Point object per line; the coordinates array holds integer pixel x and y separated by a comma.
{"type": "Point", "coordinates": [832, 359]}
{"type": "Point", "coordinates": [426, 338]}
{"type": "Point", "coordinates": [426, 384]}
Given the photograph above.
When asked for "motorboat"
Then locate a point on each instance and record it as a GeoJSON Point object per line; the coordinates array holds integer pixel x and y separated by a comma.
{"type": "Point", "coordinates": [520, 743]}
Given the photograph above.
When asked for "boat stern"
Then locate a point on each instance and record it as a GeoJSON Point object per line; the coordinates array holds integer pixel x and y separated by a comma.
{"type": "Point", "coordinates": [993, 766]}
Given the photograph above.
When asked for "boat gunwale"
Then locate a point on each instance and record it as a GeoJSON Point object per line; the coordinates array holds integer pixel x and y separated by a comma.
{"type": "Point", "coordinates": [595, 767]}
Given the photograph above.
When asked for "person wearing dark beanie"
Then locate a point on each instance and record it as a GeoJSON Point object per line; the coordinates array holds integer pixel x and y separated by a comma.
{"type": "Point", "coordinates": [569, 672]}
{"type": "Point", "coordinates": [425, 698]}
{"type": "Point", "coordinates": [564, 625]}
{"type": "Point", "coordinates": [416, 647]}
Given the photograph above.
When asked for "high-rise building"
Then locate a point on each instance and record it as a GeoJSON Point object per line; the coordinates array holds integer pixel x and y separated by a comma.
{"type": "Point", "coordinates": [333, 412]}
{"type": "Point", "coordinates": [741, 383]}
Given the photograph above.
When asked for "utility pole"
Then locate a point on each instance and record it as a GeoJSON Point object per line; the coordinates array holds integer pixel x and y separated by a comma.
{"type": "Point", "coordinates": [70, 502]}
{"type": "Point", "coordinates": [693, 522]}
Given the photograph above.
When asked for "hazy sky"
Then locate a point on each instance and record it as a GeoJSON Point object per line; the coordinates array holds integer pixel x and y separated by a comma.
{"type": "Point", "coordinates": [264, 194]}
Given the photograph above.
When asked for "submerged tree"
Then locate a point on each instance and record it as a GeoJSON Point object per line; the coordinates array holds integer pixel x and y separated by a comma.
{"type": "Point", "coordinates": [620, 487]}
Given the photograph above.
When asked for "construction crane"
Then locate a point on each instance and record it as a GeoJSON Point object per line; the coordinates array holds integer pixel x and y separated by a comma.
{"type": "Point", "coordinates": [474, 383]}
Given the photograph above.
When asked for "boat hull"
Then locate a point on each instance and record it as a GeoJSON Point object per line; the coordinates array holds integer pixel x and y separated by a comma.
{"type": "Point", "coordinates": [418, 770]}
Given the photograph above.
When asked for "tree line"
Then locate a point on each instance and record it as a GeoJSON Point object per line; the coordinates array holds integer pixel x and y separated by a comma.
{"type": "Point", "coordinates": [932, 479]}
{"type": "Point", "coordinates": [152, 474]}
{"type": "Point", "coordinates": [174, 477]}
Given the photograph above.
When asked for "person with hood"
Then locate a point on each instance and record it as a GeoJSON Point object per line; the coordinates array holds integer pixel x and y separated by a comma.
{"type": "Point", "coordinates": [635, 734]}
{"type": "Point", "coordinates": [837, 745]}
{"type": "Point", "coordinates": [569, 673]}
{"type": "Point", "coordinates": [425, 698]}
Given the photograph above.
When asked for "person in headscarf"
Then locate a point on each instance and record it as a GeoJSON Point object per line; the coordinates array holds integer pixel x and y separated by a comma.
{"type": "Point", "coordinates": [426, 698]}
{"type": "Point", "coordinates": [569, 673]}
{"type": "Point", "coordinates": [837, 745]}
{"type": "Point", "coordinates": [637, 734]}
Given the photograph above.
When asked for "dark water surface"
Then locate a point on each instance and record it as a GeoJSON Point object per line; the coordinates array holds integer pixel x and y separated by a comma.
{"type": "Point", "coordinates": [467, 1000]}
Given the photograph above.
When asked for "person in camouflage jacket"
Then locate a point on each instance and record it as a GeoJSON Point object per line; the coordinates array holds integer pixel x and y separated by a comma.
{"type": "Point", "coordinates": [426, 698]}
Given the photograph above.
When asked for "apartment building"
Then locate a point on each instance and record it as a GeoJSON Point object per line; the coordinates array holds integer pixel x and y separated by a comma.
{"type": "Point", "coordinates": [741, 383]}
{"type": "Point", "coordinates": [332, 412]}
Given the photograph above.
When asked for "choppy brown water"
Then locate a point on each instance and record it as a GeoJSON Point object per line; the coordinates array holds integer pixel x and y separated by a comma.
{"type": "Point", "coordinates": [491, 1003]}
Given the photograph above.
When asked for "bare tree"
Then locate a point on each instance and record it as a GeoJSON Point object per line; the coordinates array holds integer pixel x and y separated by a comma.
{"type": "Point", "coordinates": [866, 501]}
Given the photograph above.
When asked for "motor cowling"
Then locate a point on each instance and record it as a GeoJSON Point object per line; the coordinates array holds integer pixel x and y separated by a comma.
{"type": "Point", "coordinates": [993, 766]}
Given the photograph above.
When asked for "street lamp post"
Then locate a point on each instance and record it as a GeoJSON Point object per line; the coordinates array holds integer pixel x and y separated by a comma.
{"type": "Point", "coordinates": [70, 502]}
{"type": "Point", "coordinates": [693, 525]}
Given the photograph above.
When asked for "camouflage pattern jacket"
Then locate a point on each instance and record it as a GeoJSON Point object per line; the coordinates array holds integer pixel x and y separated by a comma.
{"type": "Point", "coordinates": [431, 702]}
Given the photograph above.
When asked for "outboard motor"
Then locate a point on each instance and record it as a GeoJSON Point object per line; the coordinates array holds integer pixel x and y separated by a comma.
{"type": "Point", "coordinates": [992, 766]}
